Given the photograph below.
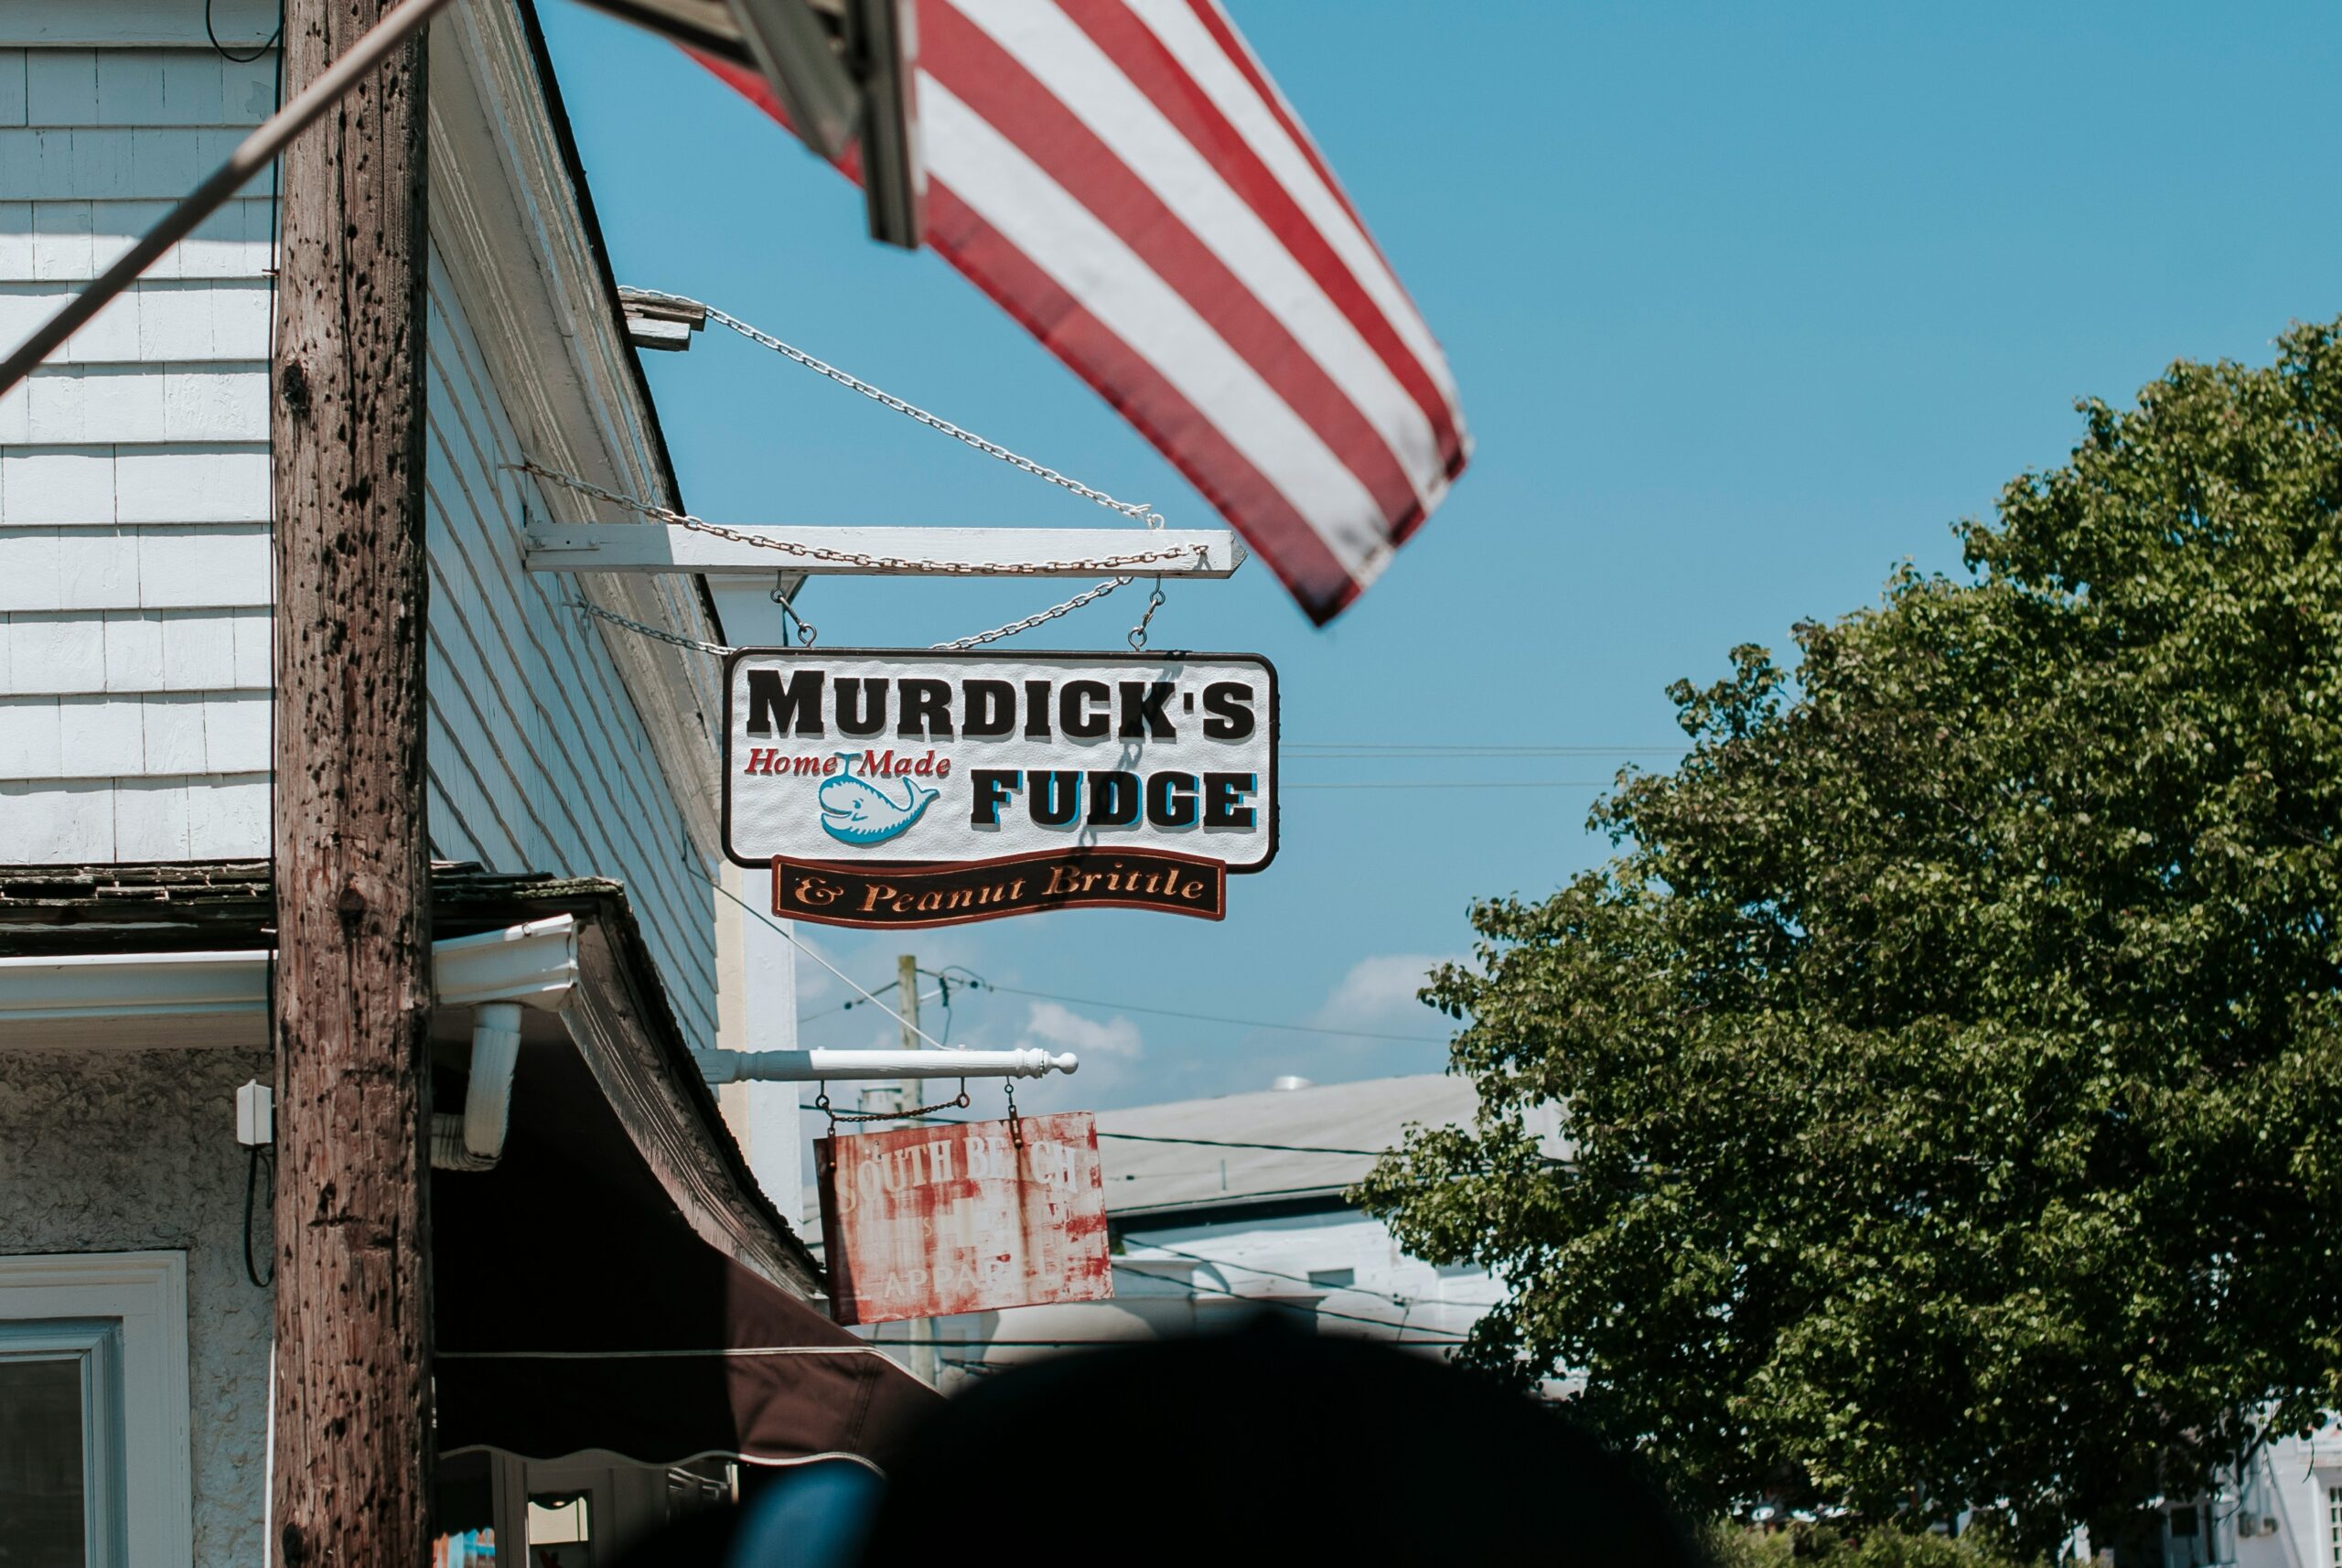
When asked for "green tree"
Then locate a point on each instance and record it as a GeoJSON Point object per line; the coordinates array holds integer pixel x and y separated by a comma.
{"type": "Point", "coordinates": [1951, 1050]}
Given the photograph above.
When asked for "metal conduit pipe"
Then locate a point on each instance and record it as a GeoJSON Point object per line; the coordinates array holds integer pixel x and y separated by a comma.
{"type": "Point", "coordinates": [814, 1067]}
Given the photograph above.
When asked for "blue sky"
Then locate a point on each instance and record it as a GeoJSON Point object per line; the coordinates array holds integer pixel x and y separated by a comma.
{"type": "Point", "coordinates": [1747, 304]}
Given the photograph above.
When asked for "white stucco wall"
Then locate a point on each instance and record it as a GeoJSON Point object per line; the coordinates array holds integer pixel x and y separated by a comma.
{"type": "Point", "coordinates": [135, 1150]}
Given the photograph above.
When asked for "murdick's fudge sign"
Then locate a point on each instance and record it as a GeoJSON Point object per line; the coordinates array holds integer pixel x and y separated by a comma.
{"type": "Point", "coordinates": [892, 788]}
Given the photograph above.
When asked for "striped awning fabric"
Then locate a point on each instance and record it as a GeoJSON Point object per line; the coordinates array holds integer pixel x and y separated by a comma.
{"type": "Point", "coordinates": [1124, 179]}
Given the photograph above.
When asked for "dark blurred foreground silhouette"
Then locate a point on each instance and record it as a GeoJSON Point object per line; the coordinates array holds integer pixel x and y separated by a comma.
{"type": "Point", "coordinates": [1263, 1446]}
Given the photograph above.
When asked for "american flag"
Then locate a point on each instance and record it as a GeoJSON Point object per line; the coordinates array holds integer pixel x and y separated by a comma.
{"type": "Point", "coordinates": [1124, 179]}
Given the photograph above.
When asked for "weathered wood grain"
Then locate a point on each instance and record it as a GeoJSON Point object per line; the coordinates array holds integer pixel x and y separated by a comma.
{"type": "Point", "coordinates": [353, 993]}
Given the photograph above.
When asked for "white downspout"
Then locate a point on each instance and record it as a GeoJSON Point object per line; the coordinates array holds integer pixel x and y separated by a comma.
{"type": "Point", "coordinates": [496, 973]}
{"type": "Point", "coordinates": [473, 1139]}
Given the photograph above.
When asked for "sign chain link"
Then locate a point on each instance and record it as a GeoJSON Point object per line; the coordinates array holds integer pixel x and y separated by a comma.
{"type": "Point", "coordinates": [822, 1103]}
{"type": "Point", "coordinates": [1154, 602]}
{"type": "Point", "coordinates": [857, 557]}
{"type": "Point", "coordinates": [1140, 510]}
{"type": "Point", "coordinates": [806, 630]}
{"type": "Point", "coordinates": [660, 633]}
{"type": "Point", "coordinates": [1088, 596]}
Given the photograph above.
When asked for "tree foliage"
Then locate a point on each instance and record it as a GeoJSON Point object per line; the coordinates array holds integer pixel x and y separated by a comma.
{"type": "Point", "coordinates": [1951, 1050]}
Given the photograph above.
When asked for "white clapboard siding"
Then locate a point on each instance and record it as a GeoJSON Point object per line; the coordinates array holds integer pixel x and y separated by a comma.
{"type": "Point", "coordinates": [135, 574]}
{"type": "Point", "coordinates": [539, 758]}
{"type": "Point", "coordinates": [134, 568]}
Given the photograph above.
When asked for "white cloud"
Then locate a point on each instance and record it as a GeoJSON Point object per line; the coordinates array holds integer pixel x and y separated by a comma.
{"type": "Point", "coordinates": [1379, 993]}
{"type": "Point", "coordinates": [1054, 1024]}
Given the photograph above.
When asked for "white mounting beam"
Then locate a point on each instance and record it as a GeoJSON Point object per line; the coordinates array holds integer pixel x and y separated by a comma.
{"type": "Point", "coordinates": [815, 1067]}
{"type": "Point", "coordinates": [660, 547]}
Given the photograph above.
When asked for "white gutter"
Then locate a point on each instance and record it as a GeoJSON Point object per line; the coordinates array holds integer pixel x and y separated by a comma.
{"type": "Point", "coordinates": [140, 985]}
{"type": "Point", "coordinates": [536, 964]}
{"type": "Point", "coordinates": [495, 974]}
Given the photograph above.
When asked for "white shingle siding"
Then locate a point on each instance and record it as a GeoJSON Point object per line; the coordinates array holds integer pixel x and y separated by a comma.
{"type": "Point", "coordinates": [135, 569]}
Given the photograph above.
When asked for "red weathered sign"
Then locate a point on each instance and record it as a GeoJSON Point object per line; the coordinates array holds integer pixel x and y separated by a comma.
{"type": "Point", "coordinates": [923, 1221]}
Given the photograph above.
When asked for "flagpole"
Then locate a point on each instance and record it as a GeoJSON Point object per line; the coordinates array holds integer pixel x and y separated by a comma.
{"type": "Point", "coordinates": [251, 157]}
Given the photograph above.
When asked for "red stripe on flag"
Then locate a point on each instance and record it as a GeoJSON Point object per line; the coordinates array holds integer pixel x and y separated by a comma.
{"type": "Point", "coordinates": [1239, 55]}
{"type": "Point", "coordinates": [997, 86]}
{"type": "Point", "coordinates": [1137, 391]}
{"type": "Point", "coordinates": [1141, 56]}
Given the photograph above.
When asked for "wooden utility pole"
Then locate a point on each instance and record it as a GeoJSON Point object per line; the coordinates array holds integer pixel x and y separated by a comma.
{"type": "Point", "coordinates": [924, 1364]}
{"type": "Point", "coordinates": [353, 911]}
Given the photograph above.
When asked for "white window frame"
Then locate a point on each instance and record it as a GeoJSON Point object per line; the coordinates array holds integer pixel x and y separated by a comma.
{"type": "Point", "coordinates": [146, 1293]}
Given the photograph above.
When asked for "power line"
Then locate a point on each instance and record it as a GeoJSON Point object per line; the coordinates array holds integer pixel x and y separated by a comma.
{"type": "Point", "coordinates": [977, 982]}
{"type": "Point", "coordinates": [786, 935]}
{"type": "Point", "coordinates": [1200, 1143]}
{"type": "Point", "coordinates": [1226, 1143]}
{"type": "Point", "coordinates": [1459, 784]}
{"type": "Point", "coordinates": [1371, 749]}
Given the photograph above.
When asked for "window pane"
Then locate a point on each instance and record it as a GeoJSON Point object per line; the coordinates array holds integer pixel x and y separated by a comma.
{"type": "Point", "coordinates": [40, 1463]}
{"type": "Point", "coordinates": [561, 1533]}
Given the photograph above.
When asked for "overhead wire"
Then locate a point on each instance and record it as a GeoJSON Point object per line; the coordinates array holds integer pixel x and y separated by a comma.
{"type": "Point", "coordinates": [790, 938]}
{"type": "Point", "coordinates": [1204, 1143]}
{"type": "Point", "coordinates": [977, 982]}
{"type": "Point", "coordinates": [1232, 1144]}
{"type": "Point", "coordinates": [1454, 784]}
{"type": "Point", "coordinates": [1378, 748]}
{"type": "Point", "coordinates": [1403, 752]}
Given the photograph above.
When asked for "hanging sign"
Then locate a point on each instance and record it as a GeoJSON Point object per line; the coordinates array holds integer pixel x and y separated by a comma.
{"type": "Point", "coordinates": [925, 788]}
{"type": "Point", "coordinates": [924, 1221]}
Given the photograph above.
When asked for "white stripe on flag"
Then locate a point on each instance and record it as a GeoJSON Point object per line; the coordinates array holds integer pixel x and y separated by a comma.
{"type": "Point", "coordinates": [1200, 55]}
{"type": "Point", "coordinates": [1089, 261]}
{"type": "Point", "coordinates": [1079, 75]}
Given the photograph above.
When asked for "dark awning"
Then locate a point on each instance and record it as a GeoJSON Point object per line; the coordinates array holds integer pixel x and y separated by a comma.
{"type": "Point", "coordinates": [577, 1309]}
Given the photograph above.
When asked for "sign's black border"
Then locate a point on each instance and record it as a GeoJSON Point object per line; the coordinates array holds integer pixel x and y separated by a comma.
{"type": "Point", "coordinates": [1277, 712]}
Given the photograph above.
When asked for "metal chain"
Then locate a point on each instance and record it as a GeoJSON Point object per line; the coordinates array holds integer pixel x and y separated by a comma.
{"type": "Point", "coordinates": [663, 635]}
{"type": "Point", "coordinates": [1138, 509]}
{"type": "Point", "coordinates": [806, 630]}
{"type": "Point", "coordinates": [857, 557]}
{"type": "Point", "coordinates": [1138, 633]}
{"type": "Point", "coordinates": [1088, 596]}
{"type": "Point", "coordinates": [822, 1103]}
{"type": "Point", "coordinates": [805, 636]}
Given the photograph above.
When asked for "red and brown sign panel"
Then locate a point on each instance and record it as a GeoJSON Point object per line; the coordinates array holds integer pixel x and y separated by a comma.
{"type": "Point", "coordinates": [924, 1221]}
{"type": "Point", "coordinates": [840, 895]}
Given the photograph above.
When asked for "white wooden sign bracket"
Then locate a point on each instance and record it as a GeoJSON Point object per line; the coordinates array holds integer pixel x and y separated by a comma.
{"type": "Point", "coordinates": [668, 548]}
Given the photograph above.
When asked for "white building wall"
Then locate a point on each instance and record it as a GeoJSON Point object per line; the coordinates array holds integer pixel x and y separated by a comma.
{"type": "Point", "coordinates": [2295, 1483]}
